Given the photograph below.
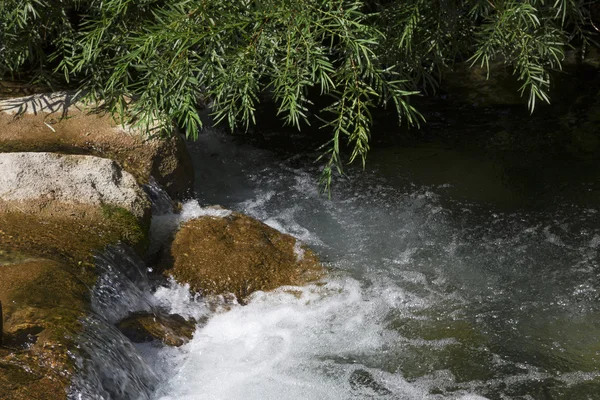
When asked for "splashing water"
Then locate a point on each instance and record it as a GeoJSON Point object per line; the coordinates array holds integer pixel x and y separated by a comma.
{"type": "Point", "coordinates": [109, 366]}
{"type": "Point", "coordinates": [431, 297]}
{"type": "Point", "coordinates": [161, 201]}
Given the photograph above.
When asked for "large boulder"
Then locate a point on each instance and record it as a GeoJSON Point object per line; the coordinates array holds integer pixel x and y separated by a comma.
{"type": "Point", "coordinates": [69, 205]}
{"type": "Point", "coordinates": [59, 178]}
{"type": "Point", "coordinates": [56, 122]}
{"type": "Point", "coordinates": [238, 254]}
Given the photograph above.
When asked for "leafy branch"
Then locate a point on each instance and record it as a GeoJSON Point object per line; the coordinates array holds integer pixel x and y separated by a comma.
{"type": "Point", "coordinates": [156, 63]}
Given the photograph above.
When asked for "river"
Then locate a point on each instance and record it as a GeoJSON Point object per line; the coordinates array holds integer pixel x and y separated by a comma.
{"type": "Point", "coordinates": [445, 282]}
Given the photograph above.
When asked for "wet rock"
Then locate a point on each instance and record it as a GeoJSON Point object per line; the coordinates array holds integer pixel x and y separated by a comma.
{"type": "Point", "coordinates": [62, 209]}
{"type": "Point", "coordinates": [71, 232]}
{"type": "Point", "coordinates": [238, 254]}
{"type": "Point", "coordinates": [37, 123]}
{"type": "Point", "coordinates": [1, 324]}
{"type": "Point", "coordinates": [70, 179]}
{"type": "Point", "coordinates": [43, 302]}
{"type": "Point", "coordinates": [363, 382]}
{"type": "Point", "coordinates": [172, 330]}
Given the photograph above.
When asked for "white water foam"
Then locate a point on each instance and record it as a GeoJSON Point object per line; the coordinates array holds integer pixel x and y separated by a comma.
{"type": "Point", "coordinates": [312, 342]}
{"type": "Point", "coordinates": [177, 299]}
{"type": "Point", "coordinates": [193, 209]}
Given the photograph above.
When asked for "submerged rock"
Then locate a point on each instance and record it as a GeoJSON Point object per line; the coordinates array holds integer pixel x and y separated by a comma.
{"type": "Point", "coordinates": [43, 302]}
{"type": "Point", "coordinates": [473, 85]}
{"type": "Point", "coordinates": [37, 123]}
{"type": "Point", "coordinates": [238, 254]}
{"type": "Point", "coordinates": [172, 330]}
{"type": "Point", "coordinates": [363, 383]}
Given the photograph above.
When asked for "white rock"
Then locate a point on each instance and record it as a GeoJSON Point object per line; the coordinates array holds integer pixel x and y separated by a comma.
{"type": "Point", "coordinates": [69, 179]}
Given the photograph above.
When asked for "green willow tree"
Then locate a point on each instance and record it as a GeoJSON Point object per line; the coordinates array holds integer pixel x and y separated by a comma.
{"type": "Point", "coordinates": [356, 56]}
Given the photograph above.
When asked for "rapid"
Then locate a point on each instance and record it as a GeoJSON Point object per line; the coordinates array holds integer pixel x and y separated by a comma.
{"type": "Point", "coordinates": [431, 294]}
{"type": "Point", "coordinates": [444, 282]}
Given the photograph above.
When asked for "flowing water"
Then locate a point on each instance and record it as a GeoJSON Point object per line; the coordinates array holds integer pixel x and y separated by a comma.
{"type": "Point", "coordinates": [444, 288]}
{"type": "Point", "coordinates": [446, 282]}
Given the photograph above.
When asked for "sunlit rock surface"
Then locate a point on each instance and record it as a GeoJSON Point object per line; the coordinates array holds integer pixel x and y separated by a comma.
{"type": "Point", "coordinates": [57, 122]}
{"type": "Point", "coordinates": [240, 255]}
{"type": "Point", "coordinates": [49, 177]}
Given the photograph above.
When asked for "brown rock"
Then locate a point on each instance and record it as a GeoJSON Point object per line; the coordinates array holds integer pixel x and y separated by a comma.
{"type": "Point", "coordinates": [43, 303]}
{"type": "Point", "coordinates": [46, 293]}
{"type": "Point", "coordinates": [172, 330]}
{"type": "Point", "coordinates": [71, 232]}
{"type": "Point", "coordinates": [1, 325]}
{"type": "Point", "coordinates": [51, 123]}
{"type": "Point", "coordinates": [238, 254]}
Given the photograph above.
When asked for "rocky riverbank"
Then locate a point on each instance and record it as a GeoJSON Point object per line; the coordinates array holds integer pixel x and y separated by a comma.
{"type": "Point", "coordinates": [72, 185]}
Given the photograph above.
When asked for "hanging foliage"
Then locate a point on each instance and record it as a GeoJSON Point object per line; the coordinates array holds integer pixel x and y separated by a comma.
{"type": "Point", "coordinates": [172, 56]}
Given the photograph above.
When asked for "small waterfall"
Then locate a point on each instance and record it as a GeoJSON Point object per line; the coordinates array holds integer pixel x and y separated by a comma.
{"type": "Point", "coordinates": [109, 366]}
{"type": "Point", "coordinates": [161, 201]}
{"type": "Point", "coordinates": [122, 286]}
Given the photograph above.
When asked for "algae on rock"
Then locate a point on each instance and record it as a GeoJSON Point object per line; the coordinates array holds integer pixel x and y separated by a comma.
{"type": "Point", "coordinates": [238, 254]}
{"type": "Point", "coordinates": [43, 304]}
{"type": "Point", "coordinates": [172, 330]}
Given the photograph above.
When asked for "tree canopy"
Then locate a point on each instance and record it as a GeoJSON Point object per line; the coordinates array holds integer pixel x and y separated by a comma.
{"type": "Point", "coordinates": [171, 56]}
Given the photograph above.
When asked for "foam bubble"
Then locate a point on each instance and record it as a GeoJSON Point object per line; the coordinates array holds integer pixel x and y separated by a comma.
{"type": "Point", "coordinates": [192, 209]}
{"type": "Point", "coordinates": [177, 299]}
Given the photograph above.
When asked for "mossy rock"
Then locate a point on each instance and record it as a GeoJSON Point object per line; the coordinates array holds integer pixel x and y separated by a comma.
{"type": "Point", "coordinates": [71, 232]}
{"type": "Point", "coordinates": [47, 270]}
{"type": "Point", "coordinates": [43, 302]}
{"type": "Point", "coordinates": [238, 254]}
